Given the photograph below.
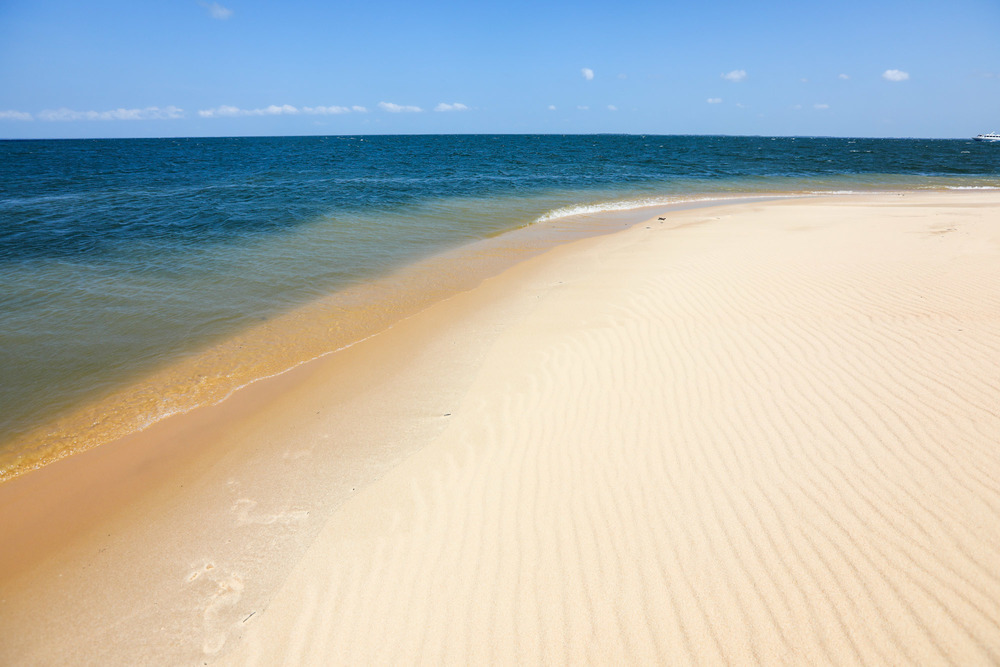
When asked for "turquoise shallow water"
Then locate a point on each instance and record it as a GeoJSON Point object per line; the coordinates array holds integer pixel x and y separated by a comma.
{"type": "Point", "coordinates": [120, 259]}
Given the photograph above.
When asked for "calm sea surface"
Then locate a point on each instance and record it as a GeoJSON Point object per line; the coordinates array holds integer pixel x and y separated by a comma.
{"type": "Point", "coordinates": [142, 277]}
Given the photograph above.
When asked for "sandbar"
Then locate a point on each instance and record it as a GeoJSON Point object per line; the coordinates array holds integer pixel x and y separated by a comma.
{"type": "Point", "coordinates": [759, 432]}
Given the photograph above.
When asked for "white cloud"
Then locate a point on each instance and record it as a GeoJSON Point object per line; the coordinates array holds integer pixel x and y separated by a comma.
{"type": "Point", "coordinates": [843, 77]}
{"type": "Point", "coordinates": [821, 107]}
{"type": "Point", "coordinates": [231, 111]}
{"type": "Point", "coordinates": [275, 110]}
{"type": "Point", "coordinates": [224, 110]}
{"type": "Point", "coordinates": [217, 11]}
{"type": "Point", "coordinates": [552, 107]}
{"type": "Point", "coordinates": [149, 113]}
{"type": "Point", "coordinates": [396, 108]}
{"type": "Point", "coordinates": [583, 108]}
{"type": "Point", "coordinates": [714, 100]}
{"type": "Point", "coordinates": [15, 115]}
{"type": "Point", "coordinates": [612, 107]}
{"type": "Point", "coordinates": [588, 73]}
{"type": "Point", "coordinates": [457, 106]}
{"type": "Point", "coordinates": [895, 75]}
{"type": "Point", "coordinates": [623, 76]}
{"type": "Point", "coordinates": [325, 111]}
{"type": "Point", "coordinates": [227, 111]}
{"type": "Point", "coordinates": [735, 76]}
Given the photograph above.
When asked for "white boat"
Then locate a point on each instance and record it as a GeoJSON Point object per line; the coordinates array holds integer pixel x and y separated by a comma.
{"type": "Point", "coordinates": [990, 136]}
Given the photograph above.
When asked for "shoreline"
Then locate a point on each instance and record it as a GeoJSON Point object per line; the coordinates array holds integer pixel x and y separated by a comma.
{"type": "Point", "coordinates": [207, 375]}
{"type": "Point", "coordinates": [310, 468]}
{"type": "Point", "coordinates": [210, 375]}
{"type": "Point", "coordinates": [130, 463]}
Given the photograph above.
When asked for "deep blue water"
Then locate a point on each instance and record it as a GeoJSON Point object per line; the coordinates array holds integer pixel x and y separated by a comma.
{"type": "Point", "coordinates": [85, 198]}
{"type": "Point", "coordinates": [118, 257]}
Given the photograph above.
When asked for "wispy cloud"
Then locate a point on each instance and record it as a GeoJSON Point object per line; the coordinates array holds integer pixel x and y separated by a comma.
{"type": "Point", "coordinates": [333, 110]}
{"type": "Point", "coordinates": [222, 111]}
{"type": "Point", "coordinates": [588, 73]}
{"type": "Point", "coordinates": [552, 107]}
{"type": "Point", "coordinates": [612, 107]}
{"type": "Point", "coordinates": [149, 113]}
{"type": "Point", "coordinates": [821, 107]}
{"type": "Point", "coordinates": [457, 106]}
{"type": "Point", "coordinates": [895, 75]}
{"type": "Point", "coordinates": [227, 111]}
{"type": "Point", "coordinates": [398, 108]}
{"type": "Point", "coordinates": [843, 77]}
{"type": "Point", "coordinates": [735, 76]}
{"type": "Point", "coordinates": [15, 115]}
{"type": "Point", "coordinates": [276, 110]}
{"type": "Point", "coordinates": [714, 100]}
{"type": "Point", "coordinates": [217, 11]}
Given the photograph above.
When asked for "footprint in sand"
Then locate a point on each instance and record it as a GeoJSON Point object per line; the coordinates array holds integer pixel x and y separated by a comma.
{"type": "Point", "coordinates": [208, 567]}
{"type": "Point", "coordinates": [228, 593]}
{"type": "Point", "coordinates": [223, 589]}
{"type": "Point", "coordinates": [245, 514]}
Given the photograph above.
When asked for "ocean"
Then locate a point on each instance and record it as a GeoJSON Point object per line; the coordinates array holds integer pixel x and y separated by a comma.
{"type": "Point", "coordinates": [144, 277]}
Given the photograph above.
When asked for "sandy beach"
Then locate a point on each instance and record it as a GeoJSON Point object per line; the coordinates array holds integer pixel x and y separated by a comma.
{"type": "Point", "coordinates": [765, 432]}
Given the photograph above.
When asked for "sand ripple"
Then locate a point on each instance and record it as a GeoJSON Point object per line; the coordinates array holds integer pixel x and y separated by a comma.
{"type": "Point", "coordinates": [770, 438]}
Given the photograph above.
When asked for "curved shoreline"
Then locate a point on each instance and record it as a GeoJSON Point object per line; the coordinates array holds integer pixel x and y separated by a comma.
{"type": "Point", "coordinates": [755, 431]}
{"type": "Point", "coordinates": [313, 330]}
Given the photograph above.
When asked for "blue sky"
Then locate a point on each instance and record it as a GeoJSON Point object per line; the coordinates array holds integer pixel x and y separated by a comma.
{"type": "Point", "coordinates": [150, 68]}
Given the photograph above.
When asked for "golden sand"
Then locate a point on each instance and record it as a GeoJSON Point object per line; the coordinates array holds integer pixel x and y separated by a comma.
{"type": "Point", "coordinates": [209, 375]}
{"type": "Point", "coordinates": [754, 433]}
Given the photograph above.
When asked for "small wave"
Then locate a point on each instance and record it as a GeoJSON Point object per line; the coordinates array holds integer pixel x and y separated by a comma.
{"type": "Point", "coordinates": [972, 187]}
{"type": "Point", "coordinates": [11, 202]}
{"type": "Point", "coordinates": [627, 205]}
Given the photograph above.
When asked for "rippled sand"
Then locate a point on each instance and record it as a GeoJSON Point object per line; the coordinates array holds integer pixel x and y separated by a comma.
{"type": "Point", "coordinates": [755, 433]}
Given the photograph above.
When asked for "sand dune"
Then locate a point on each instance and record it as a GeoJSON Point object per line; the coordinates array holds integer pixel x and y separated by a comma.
{"type": "Point", "coordinates": [770, 437]}
{"type": "Point", "coordinates": [756, 433]}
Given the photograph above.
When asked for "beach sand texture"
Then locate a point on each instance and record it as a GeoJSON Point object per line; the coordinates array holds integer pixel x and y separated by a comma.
{"type": "Point", "coordinates": [766, 432]}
